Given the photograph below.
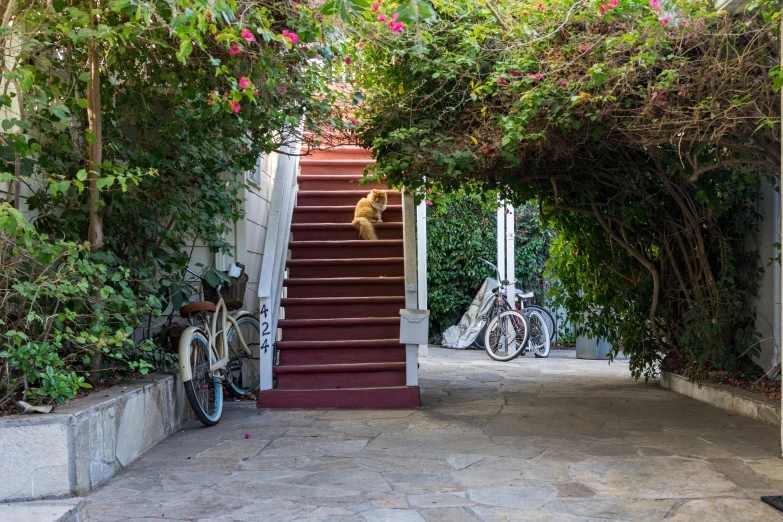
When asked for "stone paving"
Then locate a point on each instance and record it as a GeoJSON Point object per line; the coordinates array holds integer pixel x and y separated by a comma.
{"type": "Point", "coordinates": [555, 439]}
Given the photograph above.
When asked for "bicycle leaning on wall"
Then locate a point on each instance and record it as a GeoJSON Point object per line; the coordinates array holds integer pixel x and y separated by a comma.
{"type": "Point", "coordinates": [221, 345]}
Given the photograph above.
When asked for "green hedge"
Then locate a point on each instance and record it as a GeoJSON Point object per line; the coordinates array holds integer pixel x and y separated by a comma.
{"type": "Point", "coordinates": [459, 231]}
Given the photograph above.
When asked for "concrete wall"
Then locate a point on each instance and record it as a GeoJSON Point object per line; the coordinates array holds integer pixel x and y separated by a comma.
{"type": "Point", "coordinates": [82, 445]}
{"type": "Point", "coordinates": [732, 6]}
{"type": "Point", "coordinates": [767, 302]}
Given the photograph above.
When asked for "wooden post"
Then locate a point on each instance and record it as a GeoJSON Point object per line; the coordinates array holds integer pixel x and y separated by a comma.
{"type": "Point", "coordinates": [270, 281]}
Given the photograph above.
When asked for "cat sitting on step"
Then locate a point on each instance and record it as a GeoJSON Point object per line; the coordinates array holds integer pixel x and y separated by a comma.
{"type": "Point", "coordinates": [368, 211]}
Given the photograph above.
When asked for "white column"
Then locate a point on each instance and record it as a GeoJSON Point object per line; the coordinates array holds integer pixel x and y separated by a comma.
{"type": "Point", "coordinates": [421, 253]}
{"type": "Point", "coordinates": [510, 253]}
{"type": "Point", "coordinates": [501, 240]}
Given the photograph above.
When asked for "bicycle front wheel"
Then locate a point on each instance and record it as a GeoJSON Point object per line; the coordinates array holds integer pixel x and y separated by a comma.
{"type": "Point", "coordinates": [204, 391]}
{"type": "Point", "coordinates": [540, 342]}
{"type": "Point", "coordinates": [506, 335]}
{"type": "Point", "coordinates": [243, 373]}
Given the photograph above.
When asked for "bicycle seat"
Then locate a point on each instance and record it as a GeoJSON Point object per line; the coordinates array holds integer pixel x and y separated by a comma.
{"type": "Point", "coordinates": [194, 308]}
{"type": "Point", "coordinates": [526, 295]}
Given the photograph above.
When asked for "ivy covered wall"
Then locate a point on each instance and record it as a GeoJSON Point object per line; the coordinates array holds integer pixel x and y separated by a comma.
{"type": "Point", "coordinates": [460, 230]}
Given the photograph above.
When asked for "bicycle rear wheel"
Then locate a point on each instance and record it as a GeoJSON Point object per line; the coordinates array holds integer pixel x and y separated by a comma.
{"type": "Point", "coordinates": [506, 335]}
{"type": "Point", "coordinates": [204, 390]}
{"type": "Point", "coordinates": [243, 372]}
{"type": "Point", "coordinates": [549, 317]}
{"type": "Point", "coordinates": [539, 342]}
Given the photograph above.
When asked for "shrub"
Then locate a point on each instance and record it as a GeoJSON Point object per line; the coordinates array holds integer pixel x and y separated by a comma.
{"type": "Point", "coordinates": [60, 305]}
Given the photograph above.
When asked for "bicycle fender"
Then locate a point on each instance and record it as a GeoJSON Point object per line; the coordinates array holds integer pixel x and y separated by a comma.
{"type": "Point", "coordinates": [242, 313]}
{"type": "Point", "coordinates": [184, 343]}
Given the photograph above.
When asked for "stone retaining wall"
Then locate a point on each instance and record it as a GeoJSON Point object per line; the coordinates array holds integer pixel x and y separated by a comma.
{"type": "Point", "coordinates": [79, 446]}
{"type": "Point", "coordinates": [734, 400]}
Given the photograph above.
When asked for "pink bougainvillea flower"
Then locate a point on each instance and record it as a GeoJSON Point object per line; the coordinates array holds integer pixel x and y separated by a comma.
{"type": "Point", "coordinates": [244, 83]}
{"type": "Point", "coordinates": [361, 44]}
{"type": "Point", "coordinates": [602, 9]}
{"type": "Point", "coordinates": [354, 122]}
{"type": "Point", "coordinates": [248, 36]}
{"type": "Point", "coordinates": [563, 84]}
{"type": "Point", "coordinates": [375, 7]}
{"type": "Point", "coordinates": [429, 191]}
{"type": "Point", "coordinates": [347, 61]}
{"type": "Point", "coordinates": [381, 17]}
{"type": "Point", "coordinates": [397, 27]}
{"type": "Point", "coordinates": [541, 6]}
{"type": "Point", "coordinates": [395, 16]}
{"type": "Point", "coordinates": [235, 50]}
{"type": "Point", "coordinates": [664, 21]}
{"type": "Point", "coordinates": [428, 202]}
{"type": "Point", "coordinates": [502, 80]}
{"type": "Point", "coordinates": [613, 3]}
{"type": "Point", "coordinates": [235, 106]}
{"type": "Point", "coordinates": [538, 77]}
{"type": "Point", "coordinates": [515, 74]}
{"type": "Point", "coordinates": [655, 4]}
{"type": "Point", "coordinates": [291, 36]}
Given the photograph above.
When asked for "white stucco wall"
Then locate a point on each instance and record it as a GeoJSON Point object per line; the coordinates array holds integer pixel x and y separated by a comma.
{"type": "Point", "coordinates": [767, 304]}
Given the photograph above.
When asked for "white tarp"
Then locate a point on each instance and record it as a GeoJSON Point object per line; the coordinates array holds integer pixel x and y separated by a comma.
{"type": "Point", "coordinates": [463, 335]}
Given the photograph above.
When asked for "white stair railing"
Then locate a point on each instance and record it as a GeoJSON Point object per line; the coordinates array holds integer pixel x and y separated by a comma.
{"type": "Point", "coordinates": [278, 233]}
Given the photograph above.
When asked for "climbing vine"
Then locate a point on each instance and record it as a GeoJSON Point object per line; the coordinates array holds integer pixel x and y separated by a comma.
{"type": "Point", "coordinates": [642, 128]}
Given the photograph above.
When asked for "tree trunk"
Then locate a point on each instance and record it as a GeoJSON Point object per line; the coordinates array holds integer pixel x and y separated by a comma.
{"type": "Point", "coordinates": [95, 227]}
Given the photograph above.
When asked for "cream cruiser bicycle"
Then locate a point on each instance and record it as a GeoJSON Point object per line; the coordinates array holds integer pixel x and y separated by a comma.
{"type": "Point", "coordinates": [220, 347]}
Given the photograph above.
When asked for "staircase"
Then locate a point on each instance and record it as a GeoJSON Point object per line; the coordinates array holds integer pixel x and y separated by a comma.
{"type": "Point", "coordinates": [340, 311]}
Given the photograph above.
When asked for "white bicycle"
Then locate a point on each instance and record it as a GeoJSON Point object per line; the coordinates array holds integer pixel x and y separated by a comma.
{"type": "Point", "coordinates": [219, 347]}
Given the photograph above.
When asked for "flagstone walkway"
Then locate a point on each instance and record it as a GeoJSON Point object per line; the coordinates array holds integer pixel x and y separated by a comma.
{"type": "Point", "coordinates": [555, 439]}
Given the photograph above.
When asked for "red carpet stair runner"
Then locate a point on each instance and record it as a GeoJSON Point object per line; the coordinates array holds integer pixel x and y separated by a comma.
{"type": "Point", "coordinates": [340, 332]}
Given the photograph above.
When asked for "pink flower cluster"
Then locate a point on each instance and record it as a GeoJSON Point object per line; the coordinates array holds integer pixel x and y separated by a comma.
{"type": "Point", "coordinates": [290, 35]}
{"type": "Point", "coordinates": [244, 83]}
{"type": "Point", "coordinates": [394, 25]}
{"type": "Point", "coordinates": [537, 77]}
{"type": "Point", "coordinates": [667, 16]}
{"type": "Point", "coordinates": [609, 5]}
{"type": "Point", "coordinates": [235, 50]}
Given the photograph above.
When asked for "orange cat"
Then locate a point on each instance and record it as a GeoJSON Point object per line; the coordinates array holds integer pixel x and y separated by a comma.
{"type": "Point", "coordinates": [368, 211]}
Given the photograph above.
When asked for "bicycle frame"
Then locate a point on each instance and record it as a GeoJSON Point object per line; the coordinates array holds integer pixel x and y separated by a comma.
{"type": "Point", "coordinates": [216, 338]}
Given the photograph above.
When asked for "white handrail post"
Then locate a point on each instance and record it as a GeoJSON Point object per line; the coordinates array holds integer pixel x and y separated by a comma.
{"type": "Point", "coordinates": [270, 281]}
{"type": "Point", "coordinates": [421, 252]}
{"type": "Point", "coordinates": [411, 286]}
